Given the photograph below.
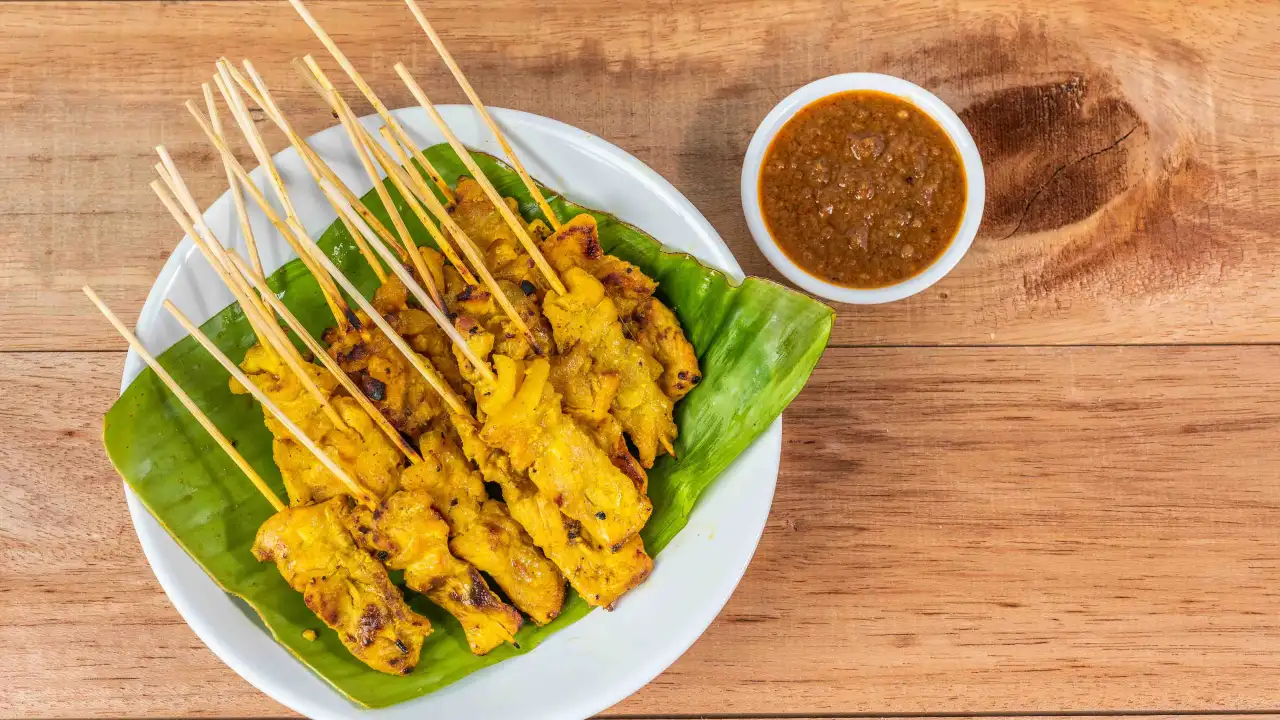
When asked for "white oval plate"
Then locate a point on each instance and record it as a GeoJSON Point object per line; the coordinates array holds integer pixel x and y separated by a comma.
{"type": "Point", "coordinates": [602, 658]}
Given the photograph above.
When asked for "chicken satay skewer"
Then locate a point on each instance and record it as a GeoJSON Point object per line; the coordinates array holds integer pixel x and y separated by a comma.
{"type": "Point", "coordinates": [447, 57]}
{"type": "Point", "coordinates": [401, 134]}
{"type": "Point", "coordinates": [187, 402]}
{"type": "Point", "coordinates": [237, 194]}
{"type": "Point", "coordinates": [250, 131]}
{"type": "Point", "coordinates": [433, 378]}
{"type": "Point", "coordinates": [446, 220]}
{"type": "Point", "coordinates": [511, 574]}
{"type": "Point", "coordinates": [271, 337]}
{"type": "Point", "coordinates": [238, 282]}
{"type": "Point", "coordinates": [599, 574]}
{"type": "Point", "coordinates": [357, 492]}
{"type": "Point", "coordinates": [517, 227]}
{"type": "Point", "coordinates": [436, 313]}
{"type": "Point", "coordinates": [602, 519]}
{"type": "Point", "coordinates": [269, 334]}
{"type": "Point", "coordinates": [396, 653]}
{"type": "Point", "coordinates": [486, 619]}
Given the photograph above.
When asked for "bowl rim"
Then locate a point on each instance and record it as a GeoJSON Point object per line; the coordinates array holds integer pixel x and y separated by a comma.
{"type": "Point", "coordinates": [975, 185]}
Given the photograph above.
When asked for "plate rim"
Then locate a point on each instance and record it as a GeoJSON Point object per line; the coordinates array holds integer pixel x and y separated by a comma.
{"type": "Point", "coordinates": [587, 703]}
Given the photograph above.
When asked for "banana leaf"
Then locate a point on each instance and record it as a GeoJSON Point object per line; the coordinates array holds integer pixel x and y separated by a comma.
{"type": "Point", "coordinates": [757, 343]}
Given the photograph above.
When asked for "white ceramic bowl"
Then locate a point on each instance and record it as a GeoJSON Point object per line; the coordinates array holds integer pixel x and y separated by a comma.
{"type": "Point", "coordinates": [589, 665]}
{"type": "Point", "coordinates": [976, 188]}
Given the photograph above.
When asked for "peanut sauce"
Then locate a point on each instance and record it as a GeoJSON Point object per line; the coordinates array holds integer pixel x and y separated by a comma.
{"type": "Point", "coordinates": [862, 189]}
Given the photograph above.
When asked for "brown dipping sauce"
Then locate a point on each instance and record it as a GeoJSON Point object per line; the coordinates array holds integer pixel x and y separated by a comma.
{"type": "Point", "coordinates": [862, 189]}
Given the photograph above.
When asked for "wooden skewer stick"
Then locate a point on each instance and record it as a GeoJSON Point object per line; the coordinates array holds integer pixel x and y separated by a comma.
{"type": "Point", "coordinates": [250, 131]}
{"type": "Point", "coordinates": [240, 112]}
{"type": "Point", "coordinates": [355, 489]}
{"type": "Point", "coordinates": [330, 364]}
{"type": "Point", "coordinates": [447, 57]}
{"type": "Point", "coordinates": [401, 134]}
{"type": "Point", "coordinates": [516, 225]}
{"type": "Point", "coordinates": [273, 338]}
{"type": "Point", "coordinates": [237, 195]}
{"type": "Point", "coordinates": [187, 402]}
{"type": "Point", "coordinates": [414, 189]}
{"type": "Point", "coordinates": [286, 227]}
{"type": "Point", "coordinates": [397, 176]}
{"type": "Point", "coordinates": [428, 373]}
{"type": "Point", "coordinates": [312, 73]}
{"type": "Point", "coordinates": [435, 313]}
{"type": "Point", "coordinates": [316, 166]}
{"type": "Point", "coordinates": [168, 172]}
{"type": "Point", "coordinates": [356, 133]}
{"type": "Point", "coordinates": [259, 330]}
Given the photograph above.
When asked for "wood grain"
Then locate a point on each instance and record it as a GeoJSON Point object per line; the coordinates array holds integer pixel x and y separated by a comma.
{"type": "Point", "coordinates": [955, 530]}
{"type": "Point", "coordinates": [1133, 182]}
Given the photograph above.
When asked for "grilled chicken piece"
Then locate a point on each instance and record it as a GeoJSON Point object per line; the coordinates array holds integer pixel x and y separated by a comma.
{"type": "Point", "coordinates": [600, 576]}
{"type": "Point", "coordinates": [577, 244]}
{"type": "Point", "coordinates": [407, 533]}
{"type": "Point", "coordinates": [523, 419]}
{"type": "Point", "coordinates": [655, 328]}
{"type": "Point", "coordinates": [479, 219]}
{"type": "Point", "coordinates": [362, 450]}
{"type": "Point", "coordinates": [586, 316]}
{"type": "Point", "coordinates": [384, 375]}
{"type": "Point", "coordinates": [644, 318]}
{"type": "Point", "coordinates": [417, 327]}
{"type": "Point", "coordinates": [481, 530]}
{"type": "Point", "coordinates": [342, 585]}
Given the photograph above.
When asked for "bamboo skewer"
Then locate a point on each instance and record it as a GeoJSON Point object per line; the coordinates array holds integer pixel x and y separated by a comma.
{"type": "Point", "coordinates": [516, 225]}
{"type": "Point", "coordinates": [237, 195]}
{"type": "Point", "coordinates": [400, 181]}
{"type": "Point", "coordinates": [240, 112]}
{"type": "Point", "coordinates": [435, 313]}
{"type": "Point", "coordinates": [330, 364]}
{"type": "Point", "coordinates": [273, 338]}
{"type": "Point", "coordinates": [257, 91]}
{"type": "Point", "coordinates": [309, 158]}
{"type": "Point", "coordinates": [447, 57]}
{"type": "Point", "coordinates": [357, 134]}
{"type": "Point", "coordinates": [168, 172]}
{"type": "Point", "coordinates": [187, 402]}
{"type": "Point", "coordinates": [415, 190]}
{"type": "Point", "coordinates": [261, 332]}
{"type": "Point", "coordinates": [287, 228]}
{"type": "Point", "coordinates": [250, 131]}
{"type": "Point", "coordinates": [360, 138]}
{"type": "Point", "coordinates": [311, 72]}
{"type": "Point", "coordinates": [401, 134]}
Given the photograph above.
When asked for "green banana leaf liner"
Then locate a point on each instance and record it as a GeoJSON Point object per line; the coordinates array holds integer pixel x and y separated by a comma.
{"type": "Point", "coordinates": [757, 343]}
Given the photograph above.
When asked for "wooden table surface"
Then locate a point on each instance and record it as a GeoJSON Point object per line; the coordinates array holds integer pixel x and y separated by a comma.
{"type": "Point", "coordinates": [1049, 484]}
